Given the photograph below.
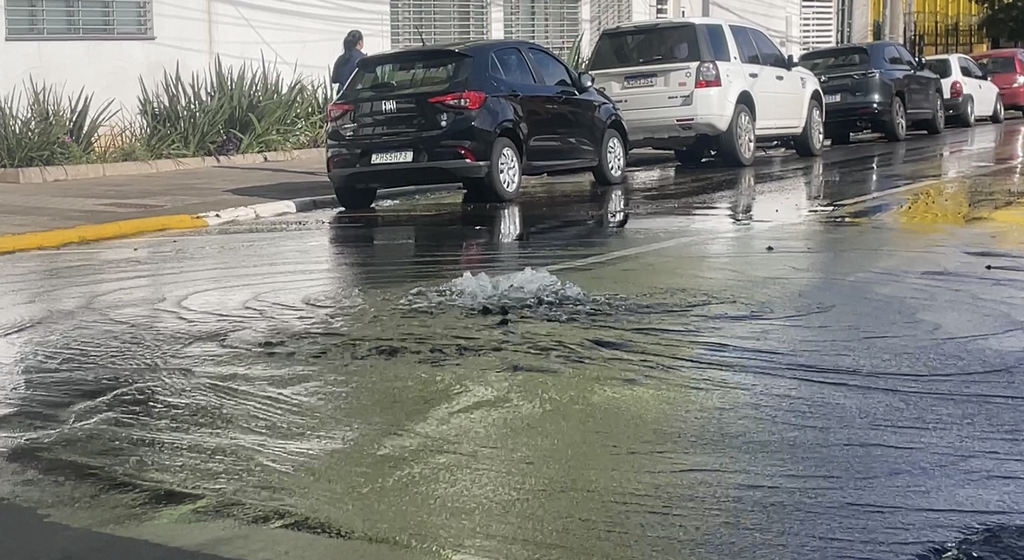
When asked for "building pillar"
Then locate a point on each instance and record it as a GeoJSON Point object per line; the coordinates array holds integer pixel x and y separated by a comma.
{"type": "Point", "coordinates": [497, 19]}
{"type": "Point", "coordinates": [860, 21]}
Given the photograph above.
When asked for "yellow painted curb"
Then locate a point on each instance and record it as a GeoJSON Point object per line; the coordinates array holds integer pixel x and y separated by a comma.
{"type": "Point", "coordinates": [97, 232]}
{"type": "Point", "coordinates": [1013, 214]}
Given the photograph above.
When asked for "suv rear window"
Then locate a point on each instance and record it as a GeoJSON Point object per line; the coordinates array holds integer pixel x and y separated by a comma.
{"type": "Point", "coordinates": [836, 59]}
{"type": "Point", "coordinates": [941, 67]}
{"type": "Point", "coordinates": [408, 73]}
{"type": "Point", "coordinates": [998, 64]}
{"type": "Point", "coordinates": [663, 44]}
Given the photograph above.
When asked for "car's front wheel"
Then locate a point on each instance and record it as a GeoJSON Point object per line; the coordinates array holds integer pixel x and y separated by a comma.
{"type": "Point", "coordinates": [611, 167]}
{"type": "Point", "coordinates": [353, 197]}
{"type": "Point", "coordinates": [812, 139]}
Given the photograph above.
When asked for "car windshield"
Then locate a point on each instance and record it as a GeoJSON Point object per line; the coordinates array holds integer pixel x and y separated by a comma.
{"type": "Point", "coordinates": [407, 73]}
{"type": "Point", "coordinates": [940, 66]}
{"type": "Point", "coordinates": [998, 64]}
{"type": "Point", "coordinates": [652, 45]}
{"type": "Point", "coordinates": [835, 59]}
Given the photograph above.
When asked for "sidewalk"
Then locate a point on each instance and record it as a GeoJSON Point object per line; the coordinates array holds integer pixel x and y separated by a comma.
{"type": "Point", "coordinates": [40, 207]}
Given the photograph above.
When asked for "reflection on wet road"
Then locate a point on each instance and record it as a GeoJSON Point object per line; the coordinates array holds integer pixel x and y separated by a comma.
{"type": "Point", "coordinates": [707, 363]}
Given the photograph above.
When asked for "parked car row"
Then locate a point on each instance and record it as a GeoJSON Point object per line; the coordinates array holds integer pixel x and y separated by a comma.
{"type": "Point", "coordinates": [485, 114]}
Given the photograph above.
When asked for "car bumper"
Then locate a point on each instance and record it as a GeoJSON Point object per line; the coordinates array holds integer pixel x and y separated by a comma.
{"type": "Point", "coordinates": [1013, 98]}
{"type": "Point", "coordinates": [953, 107]}
{"type": "Point", "coordinates": [417, 174]}
{"type": "Point", "coordinates": [706, 113]}
{"type": "Point", "coordinates": [857, 116]}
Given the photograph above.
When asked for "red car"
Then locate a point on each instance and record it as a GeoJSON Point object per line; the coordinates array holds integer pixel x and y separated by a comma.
{"type": "Point", "coordinates": [1005, 68]}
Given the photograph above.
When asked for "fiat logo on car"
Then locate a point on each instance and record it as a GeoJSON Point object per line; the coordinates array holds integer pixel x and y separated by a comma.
{"type": "Point", "coordinates": [388, 106]}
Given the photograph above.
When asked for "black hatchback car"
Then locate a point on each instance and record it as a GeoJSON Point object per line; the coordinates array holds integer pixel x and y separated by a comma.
{"type": "Point", "coordinates": [482, 114]}
{"type": "Point", "coordinates": [877, 87]}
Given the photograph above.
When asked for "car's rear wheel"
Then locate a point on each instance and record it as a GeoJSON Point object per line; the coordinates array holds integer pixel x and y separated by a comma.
{"type": "Point", "coordinates": [896, 127]}
{"type": "Point", "coordinates": [999, 112]}
{"type": "Point", "coordinates": [505, 174]}
{"type": "Point", "coordinates": [352, 197]}
{"type": "Point", "coordinates": [812, 139]}
{"type": "Point", "coordinates": [967, 117]}
{"type": "Point", "coordinates": [611, 168]}
{"type": "Point", "coordinates": [740, 142]}
{"type": "Point", "coordinates": [937, 123]}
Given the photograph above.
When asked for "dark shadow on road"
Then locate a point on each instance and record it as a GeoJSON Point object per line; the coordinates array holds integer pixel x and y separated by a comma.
{"type": "Point", "coordinates": [286, 191]}
{"type": "Point", "coordinates": [259, 167]}
{"type": "Point", "coordinates": [27, 534]}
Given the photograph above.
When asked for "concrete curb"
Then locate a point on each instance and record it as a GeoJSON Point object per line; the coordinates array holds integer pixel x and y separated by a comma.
{"type": "Point", "coordinates": [53, 239]}
{"type": "Point", "coordinates": [39, 175]}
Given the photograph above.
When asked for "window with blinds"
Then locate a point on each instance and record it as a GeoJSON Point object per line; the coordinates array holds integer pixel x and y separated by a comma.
{"type": "Point", "coordinates": [78, 19]}
{"type": "Point", "coordinates": [439, 21]}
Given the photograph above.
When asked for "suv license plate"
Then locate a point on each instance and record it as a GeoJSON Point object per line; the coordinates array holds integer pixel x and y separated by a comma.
{"type": "Point", "coordinates": [640, 81]}
{"type": "Point", "coordinates": [834, 98]}
{"type": "Point", "coordinates": [404, 156]}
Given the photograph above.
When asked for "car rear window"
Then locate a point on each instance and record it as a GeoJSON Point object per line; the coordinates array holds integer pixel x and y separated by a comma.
{"type": "Point", "coordinates": [836, 59]}
{"type": "Point", "coordinates": [408, 73]}
{"type": "Point", "coordinates": [940, 66]}
{"type": "Point", "coordinates": [663, 44]}
{"type": "Point", "coordinates": [998, 64]}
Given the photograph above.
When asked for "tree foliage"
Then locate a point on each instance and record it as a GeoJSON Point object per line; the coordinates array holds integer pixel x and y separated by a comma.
{"type": "Point", "coordinates": [1003, 19]}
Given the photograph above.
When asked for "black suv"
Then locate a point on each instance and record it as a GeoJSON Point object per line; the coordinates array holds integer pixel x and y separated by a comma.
{"type": "Point", "coordinates": [876, 87]}
{"type": "Point", "coordinates": [482, 114]}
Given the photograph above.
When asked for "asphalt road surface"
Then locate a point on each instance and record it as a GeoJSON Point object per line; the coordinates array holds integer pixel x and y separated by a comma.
{"type": "Point", "coordinates": [810, 358]}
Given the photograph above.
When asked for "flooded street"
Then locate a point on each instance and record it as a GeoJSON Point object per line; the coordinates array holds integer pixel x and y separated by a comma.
{"type": "Point", "coordinates": [803, 359]}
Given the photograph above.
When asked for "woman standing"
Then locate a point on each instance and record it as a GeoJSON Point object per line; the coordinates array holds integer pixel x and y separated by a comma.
{"type": "Point", "coordinates": [345, 66]}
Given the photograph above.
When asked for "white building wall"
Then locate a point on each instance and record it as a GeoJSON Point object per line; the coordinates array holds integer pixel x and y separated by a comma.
{"type": "Point", "coordinates": [305, 36]}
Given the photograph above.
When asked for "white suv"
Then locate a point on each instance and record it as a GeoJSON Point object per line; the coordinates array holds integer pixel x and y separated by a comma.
{"type": "Point", "coordinates": [698, 85]}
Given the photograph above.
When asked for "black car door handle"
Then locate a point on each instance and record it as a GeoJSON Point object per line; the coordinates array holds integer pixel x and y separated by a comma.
{"type": "Point", "coordinates": [752, 74]}
{"type": "Point", "coordinates": [780, 77]}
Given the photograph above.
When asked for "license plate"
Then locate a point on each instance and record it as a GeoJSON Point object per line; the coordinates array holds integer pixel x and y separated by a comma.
{"type": "Point", "coordinates": [639, 81]}
{"type": "Point", "coordinates": [834, 98]}
{"type": "Point", "coordinates": [404, 156]}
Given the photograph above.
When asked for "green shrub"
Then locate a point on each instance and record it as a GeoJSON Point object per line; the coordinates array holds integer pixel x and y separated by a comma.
{"type": "Point", "coordinates": [222, 111]}
{"type": "Point", "coordinates": [226, 111]}
{"type": "Point", "coordinates": [39, 126]}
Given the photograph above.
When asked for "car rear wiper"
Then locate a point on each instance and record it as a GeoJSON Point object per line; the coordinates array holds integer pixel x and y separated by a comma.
{"type": "Point", "coordinates": [382, 85]}
{"type": "Point", "coordinates": [655, 60]}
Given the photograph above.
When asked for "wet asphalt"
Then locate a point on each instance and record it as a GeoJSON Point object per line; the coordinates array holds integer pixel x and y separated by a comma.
{"type": "Point", "coordinates": [807, 358]}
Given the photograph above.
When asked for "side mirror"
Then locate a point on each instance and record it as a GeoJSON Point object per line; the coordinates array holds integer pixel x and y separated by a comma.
{"type": "Point", "coordinates": [586, 81]}
{"type": "Point", "coordinates": [791, 61]}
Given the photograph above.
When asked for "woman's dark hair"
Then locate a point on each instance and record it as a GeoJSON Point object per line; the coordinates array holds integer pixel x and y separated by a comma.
{"type": "Point", "coordinates": [352, 40]}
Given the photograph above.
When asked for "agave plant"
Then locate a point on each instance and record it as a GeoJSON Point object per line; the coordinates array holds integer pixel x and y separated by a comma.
{"type": "Point", "coordinates": [41, 126]}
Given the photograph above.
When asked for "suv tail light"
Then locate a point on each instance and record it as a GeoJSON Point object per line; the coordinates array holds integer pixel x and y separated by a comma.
{"type": "Point", "coordinates": [337, 110]}
{"type": "Point", "coordinates": [469, 100]}
{"type": "Point", "coordinates": [956, 89]}
{"type": "Point", "coordinates": [708, 76]}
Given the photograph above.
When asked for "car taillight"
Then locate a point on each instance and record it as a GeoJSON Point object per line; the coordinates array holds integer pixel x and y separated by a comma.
{"type": "Point", "coordinates": [337, 110]}
{"type": "Point", "coordinates": [469, 100]}
{"type": "Point", "coordinates": [708, 76]}
{"type": "Point", "coordinates": [956, 89]}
